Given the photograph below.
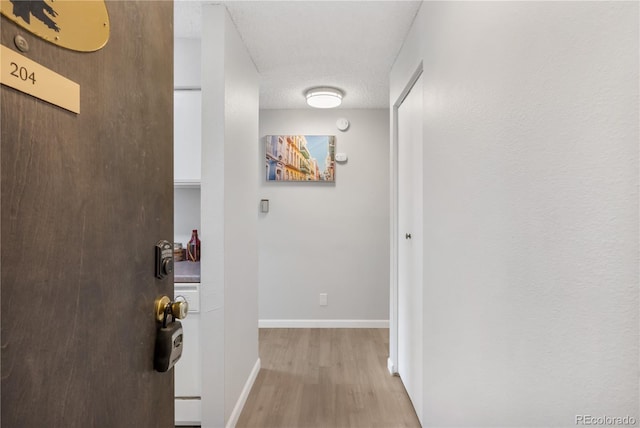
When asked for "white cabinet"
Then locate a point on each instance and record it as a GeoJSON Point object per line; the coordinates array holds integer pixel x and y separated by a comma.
{"type": "Point", "coordinates": [187, 137]}
{"type": "Point", "coordinates": [188, 383]}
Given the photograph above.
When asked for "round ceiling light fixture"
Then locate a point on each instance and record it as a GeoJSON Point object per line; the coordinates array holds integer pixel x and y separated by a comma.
{"type": "Point", "coordinates": [324, 97]}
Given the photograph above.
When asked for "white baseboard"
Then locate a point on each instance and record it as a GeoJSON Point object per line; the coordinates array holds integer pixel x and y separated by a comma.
{"type": "Point", "coordinates": [391, 367]}
{"type": "Point", "coordinates": [244, 394]}
{"type": "Point", "coordinates": [323, 323]}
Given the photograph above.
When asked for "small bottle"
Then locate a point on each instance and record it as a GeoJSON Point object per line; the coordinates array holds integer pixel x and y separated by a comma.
{"type": "Point", "coordinates": [193, 247]}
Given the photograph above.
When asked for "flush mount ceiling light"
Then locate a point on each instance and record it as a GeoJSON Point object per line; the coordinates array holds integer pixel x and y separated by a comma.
{"type": "Point", "coordinates": [324, 97]}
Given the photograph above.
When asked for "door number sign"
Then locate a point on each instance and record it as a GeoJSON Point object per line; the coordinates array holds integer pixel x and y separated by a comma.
{"type": "Point", "coordinates": [25, 75]}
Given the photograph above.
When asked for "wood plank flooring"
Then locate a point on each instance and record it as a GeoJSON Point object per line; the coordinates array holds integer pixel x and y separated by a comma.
{"type": "Point", "coordinates": [331, 378]}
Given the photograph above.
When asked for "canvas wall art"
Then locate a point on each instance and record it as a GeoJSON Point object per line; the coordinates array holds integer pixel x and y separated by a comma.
{"type": "Point", "coordinates": [300, 158]}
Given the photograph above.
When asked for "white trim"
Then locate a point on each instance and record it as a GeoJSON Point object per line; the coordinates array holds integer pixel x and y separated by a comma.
{"type": "Point", "coordinates": [244, 394]}
{"type": "Point", "coordinates": [391, 367]}
{"type": "Point", "coordinates": [323, 323]}
{"type": "Point", "coordinates": [187, 183]}
{"type": "Point", "coordinates": [393, 256]}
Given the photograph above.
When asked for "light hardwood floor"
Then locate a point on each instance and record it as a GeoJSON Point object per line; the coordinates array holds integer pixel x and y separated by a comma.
{"type": "Point", "coordinates": [330, 378]}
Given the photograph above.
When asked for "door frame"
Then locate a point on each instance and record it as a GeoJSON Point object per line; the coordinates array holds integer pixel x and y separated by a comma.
{"type": "Point", "coordinates": [392, 362]}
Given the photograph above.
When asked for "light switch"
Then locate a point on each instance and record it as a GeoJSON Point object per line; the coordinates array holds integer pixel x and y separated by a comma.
{"type": "Point", "coordinates": [323, 299]}
{"type": "Point", "coordinates": [264, 205]}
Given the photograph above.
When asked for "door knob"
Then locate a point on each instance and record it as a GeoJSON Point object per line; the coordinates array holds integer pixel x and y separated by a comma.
{"type": "Point", "coordinates": [407, 236]}
{"type": "Point", "coordinates": [178, 309]}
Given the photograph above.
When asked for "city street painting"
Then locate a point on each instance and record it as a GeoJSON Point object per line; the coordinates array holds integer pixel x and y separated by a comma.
{"type": "Point", "coordinates": [300, 158]}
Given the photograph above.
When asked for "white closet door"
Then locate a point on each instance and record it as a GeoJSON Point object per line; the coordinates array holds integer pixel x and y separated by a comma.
{"type": "Point", "coordinates": [410, 245]}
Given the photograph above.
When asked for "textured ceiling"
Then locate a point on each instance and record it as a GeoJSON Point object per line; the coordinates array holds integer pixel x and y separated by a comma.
{"type": "Point", "coordinates": [300, 44]}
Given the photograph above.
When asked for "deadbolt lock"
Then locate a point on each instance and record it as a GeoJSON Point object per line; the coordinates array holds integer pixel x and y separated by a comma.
{"type": "Point", "coordinates": [164, 259]}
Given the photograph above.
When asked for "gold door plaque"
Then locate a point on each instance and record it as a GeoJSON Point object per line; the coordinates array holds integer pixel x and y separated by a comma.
{"type": "Point", "coordinates": [25, 75]}
{"type": "Point", "coordinates": [79, 25]}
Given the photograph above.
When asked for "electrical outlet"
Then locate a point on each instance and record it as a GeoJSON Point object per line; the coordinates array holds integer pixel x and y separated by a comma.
{"type": "Point", "coordinates": [323, 299]}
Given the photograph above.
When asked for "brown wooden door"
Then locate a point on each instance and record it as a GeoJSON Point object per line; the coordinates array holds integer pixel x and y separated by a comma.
{"type": "Point", "coordinates": [84, 200]}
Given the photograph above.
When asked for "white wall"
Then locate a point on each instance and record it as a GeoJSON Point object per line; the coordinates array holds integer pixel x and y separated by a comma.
{"type": "Point", "coordinates": [187, 63]}
{"type": "Point", "coordinates": [531, 210]}
{"type": "Point", "coordinates": [327, 238]}
{"type": "Point", "coordinates": [229, 199]}
{"type": "Point", "coordinates": [186, 209]}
